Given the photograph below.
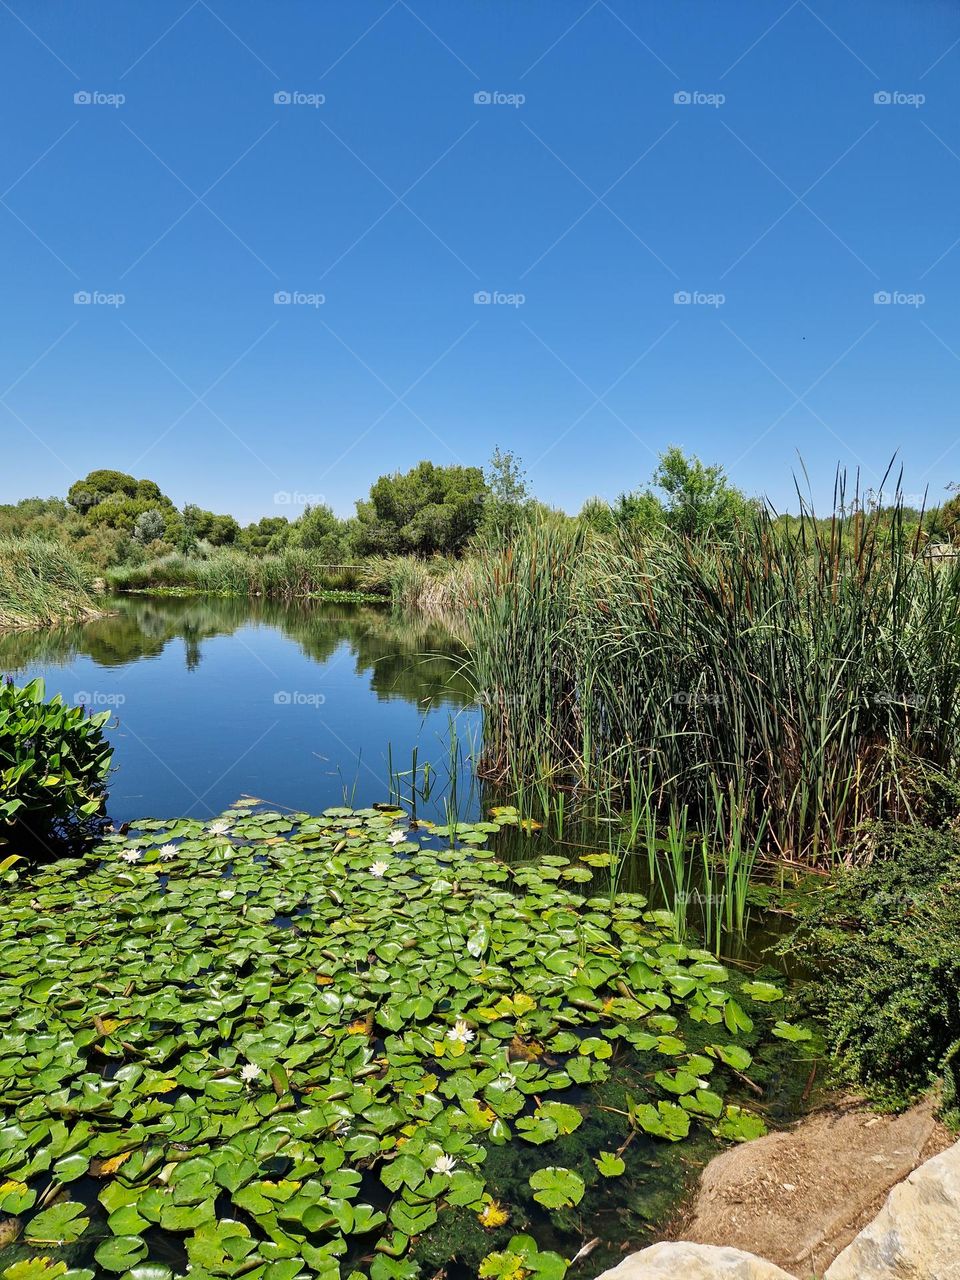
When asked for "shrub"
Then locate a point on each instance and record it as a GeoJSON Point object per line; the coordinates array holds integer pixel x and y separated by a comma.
{"type": "Point", "coordinates": [882, 944]}
{"type": "Point", "coordinates": [54, 762]}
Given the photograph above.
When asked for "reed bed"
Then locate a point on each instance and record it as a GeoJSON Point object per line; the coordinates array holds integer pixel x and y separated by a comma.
{"type": "Point", "coordinates": [288, 575]}
{"type": "Point", "coordinates": [796, 683]}
{"type": "Point", "coordinates": [42, 583]}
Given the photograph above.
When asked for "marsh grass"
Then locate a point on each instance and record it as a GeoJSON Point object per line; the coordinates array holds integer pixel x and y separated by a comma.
{"type": "Point", "coordinates": [782, 691]}
{"type": "Point", "coordinates": [42, 583]}
{"type": "Point", "coordinates": [290, 575]}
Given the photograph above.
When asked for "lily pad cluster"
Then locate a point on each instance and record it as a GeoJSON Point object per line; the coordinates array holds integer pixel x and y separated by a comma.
{"type": "Point", "coordinates": [281, 1046]}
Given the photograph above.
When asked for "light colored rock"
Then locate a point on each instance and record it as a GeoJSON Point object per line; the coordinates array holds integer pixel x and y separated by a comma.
{"type": "Point", "coordinates": [682, 1261]}
{"type": "Point", "coordinates": [916, 1235]}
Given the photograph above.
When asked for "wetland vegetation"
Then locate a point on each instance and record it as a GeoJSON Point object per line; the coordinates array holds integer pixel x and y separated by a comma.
{"type": "Point", "coordinates": [586, 846]}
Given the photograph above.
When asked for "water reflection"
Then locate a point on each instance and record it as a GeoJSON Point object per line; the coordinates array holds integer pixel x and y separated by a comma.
{"type": "Point", "coordinates": [307, 705]}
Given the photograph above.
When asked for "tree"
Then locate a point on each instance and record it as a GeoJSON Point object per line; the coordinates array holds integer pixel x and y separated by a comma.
{"type": "Point", "coordinates": [698, 500]}
{"type": "Point", "coordinates": [318, 529]}
{"type": "Point", "coordinates": [427, 510]}
{"type": "Point", "coordinates": [149, 526]}
{"type": "Point", "coordinates": [206, 526]}
{"type": "Point", "coordinates": [507, 502]}
{"type": "Point", "coordinates": [97, 486]}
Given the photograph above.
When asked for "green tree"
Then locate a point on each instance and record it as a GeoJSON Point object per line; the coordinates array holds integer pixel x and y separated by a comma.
{"type": "Point", "coordinates": [318, 529]}
{"type": "Point", "coordinates": [697, 500]}
{"type": "Point", "coordinates": [427, 510]}
{"type": "Point", "coordinates": [506, 504]}
{"type": "Point", "coordinates": [97, 486]}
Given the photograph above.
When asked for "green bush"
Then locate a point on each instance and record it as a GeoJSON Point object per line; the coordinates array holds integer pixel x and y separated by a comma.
{"type": "Point", "coordinates": [54, 762]}
{"type": "Point", "coordinates": [882, 944]}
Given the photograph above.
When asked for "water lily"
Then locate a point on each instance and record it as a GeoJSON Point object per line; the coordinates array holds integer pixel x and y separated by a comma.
{"type": "Point", "coordinates": [379, 869]}
{"type": "Point", "coordinates": [131, 855]}
{"type": "Point", "coordinates": [250, 1072]}
{"type": "Point", "coordinates": [460, 1033]}
{"type": "Point", "coordinates": [168, 851]}
{"type": "Point", "coordinates": [444, 1164]}
{"type": "Point", "coordinates": [219, 828]}
{"type": "Point", "coordinates": [396, 836]}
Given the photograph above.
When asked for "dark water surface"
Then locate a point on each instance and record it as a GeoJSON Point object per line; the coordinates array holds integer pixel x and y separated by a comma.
{"type": "Point", "coordinates": [303, 705]}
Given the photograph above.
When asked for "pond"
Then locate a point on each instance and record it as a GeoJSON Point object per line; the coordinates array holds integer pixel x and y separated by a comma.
{"type": "Point", "coordinates": [302, 705]}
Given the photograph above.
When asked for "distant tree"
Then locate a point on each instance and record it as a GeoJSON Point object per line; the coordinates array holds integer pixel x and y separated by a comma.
{"type": "Point", "coordinates": [506, 503]}
{"type": "Point", "coordinates": [598, 516]}
{"type": "Point", "coordinates": [318, 529]}
{"type": "Point", "coordinates": [149, 526]}
{"type": "Point", "coordinates": [698, 500]}
{"type": "Point", "coordinates": [97, 486]}
{"type": "Point", "coordinates": [428, 509]}
{"type": "Point", "coordinates": [205, 526]}
{"type": "Point", "coordinates": [268, 534]}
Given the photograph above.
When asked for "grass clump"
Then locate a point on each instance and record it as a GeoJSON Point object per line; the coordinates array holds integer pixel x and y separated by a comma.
{"type": "Point", "coordinates": [806, 672]}
{"type": "Point", "coordinates": [42, 583]}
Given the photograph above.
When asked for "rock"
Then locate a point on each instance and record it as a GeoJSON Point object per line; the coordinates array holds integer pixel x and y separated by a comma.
{"type": "Point", "coordinates": [683, 1261]}
{"type": "Point", "coordinates": [916, 1235]}
{"type": "Point", "coordinates": [800, 1196]}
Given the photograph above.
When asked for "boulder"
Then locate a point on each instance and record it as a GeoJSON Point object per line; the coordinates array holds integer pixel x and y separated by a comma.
{"type": "Point", "coordinates": [916, 1235]}
{"type": "Point", "coordinates": [682, 1261]}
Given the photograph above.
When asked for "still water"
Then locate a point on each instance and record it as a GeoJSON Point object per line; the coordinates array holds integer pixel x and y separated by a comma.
{"type": "Point", "coordinates": [304, 706]}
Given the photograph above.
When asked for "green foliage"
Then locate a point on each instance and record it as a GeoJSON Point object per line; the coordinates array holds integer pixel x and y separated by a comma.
{"type": "Point", "coordinates": [427, 510]}
{"type": "Point", "coordinates": [506, 504]}
{"type": "Point", "coordinates": [246, 1025]}
{"type": "Point", "coordinates": [41, 582]}
{"type": "Point", "coordinates": [882, 946]}
{"type": "Point", "coordinates": [797, 676]}
{"type": "Point", "coordinates": [698, 500]}
{"type": "Point", "coordinates": [54, 761]}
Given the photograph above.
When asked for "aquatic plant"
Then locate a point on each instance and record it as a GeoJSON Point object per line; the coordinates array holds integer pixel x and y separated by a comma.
{"type": "Point", "coordinates": [54, 762]}
{"type": "Point", "coordinates": [802, 670]}
{"type": "Point", "coordinates": [295, 1043]}
{"type": "Point", "coordinates": [42, 582]}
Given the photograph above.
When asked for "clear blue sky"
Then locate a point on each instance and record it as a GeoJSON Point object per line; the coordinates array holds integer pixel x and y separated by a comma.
{"type": "Point", "coordinates": [598, 197]}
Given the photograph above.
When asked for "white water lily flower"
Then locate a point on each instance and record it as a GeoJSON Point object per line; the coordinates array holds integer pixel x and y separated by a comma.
{"type": "Point", "coordinates": [168, 851]}
{"type": "Point", "coordinates": [250, 1072]}
{"type": "Point", "coordinates": [218, 828]}
{"type": "Point", "coordinates": [460, 1033]}
{"type": "Point", "coordinates": [443, 1164]}
{"type": "Point", "coordinates": [131, 855]}
{"type": "Point", "coordinates": [379, 869]}
{"type": "Point", "coordinates": [396, 836]}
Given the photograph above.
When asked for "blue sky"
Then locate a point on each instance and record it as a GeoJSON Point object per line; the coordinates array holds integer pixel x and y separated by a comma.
{"type": "Point", "coordinates": [781, 197]}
